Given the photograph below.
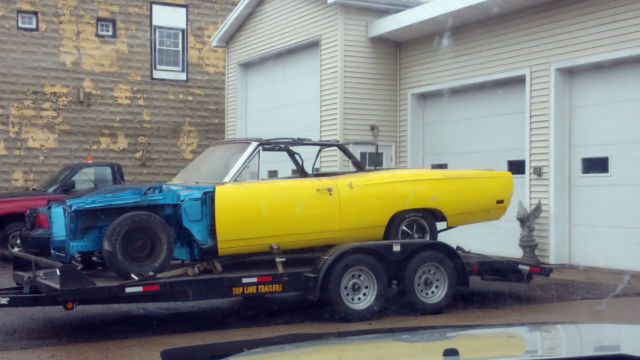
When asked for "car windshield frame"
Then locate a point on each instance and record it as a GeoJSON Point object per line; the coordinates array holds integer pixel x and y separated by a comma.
{"type": "Point", "coordinates": [188, 173]}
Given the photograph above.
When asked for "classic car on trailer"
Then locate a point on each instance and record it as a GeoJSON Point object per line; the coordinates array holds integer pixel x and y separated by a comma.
{"type": "Point", "coordinates": [244, 196]}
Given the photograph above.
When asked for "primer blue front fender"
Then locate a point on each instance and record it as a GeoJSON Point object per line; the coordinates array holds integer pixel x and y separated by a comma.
{"type": "Point", "coordinates": [79, 224]}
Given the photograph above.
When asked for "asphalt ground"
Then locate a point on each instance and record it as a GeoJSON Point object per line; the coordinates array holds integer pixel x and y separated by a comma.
{"type": "Point", "coordinates": [571, 294]}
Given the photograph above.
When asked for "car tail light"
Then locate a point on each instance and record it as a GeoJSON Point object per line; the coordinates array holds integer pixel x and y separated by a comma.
{"type": "Point", "coordinates": [41, 221]}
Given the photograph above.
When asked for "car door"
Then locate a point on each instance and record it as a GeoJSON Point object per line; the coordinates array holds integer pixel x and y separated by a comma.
{"type": "Point", "coordinates": [278, 208]}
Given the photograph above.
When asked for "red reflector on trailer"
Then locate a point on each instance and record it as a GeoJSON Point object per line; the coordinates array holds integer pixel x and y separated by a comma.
{"type": "Point", "coordinates": [256, 279]}
{"type": "Point", "coordinates": [474, 269]}
{"type": "Point", "coordinates": [534, 269]}
{"type": "Point", "coordinates": [134, 289]}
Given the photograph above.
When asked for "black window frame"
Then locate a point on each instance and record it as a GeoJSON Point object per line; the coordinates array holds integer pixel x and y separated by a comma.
{"type": "Point", "coordinates": [25, 12]}
{"type": "Point", "coordinates": [113, 27]}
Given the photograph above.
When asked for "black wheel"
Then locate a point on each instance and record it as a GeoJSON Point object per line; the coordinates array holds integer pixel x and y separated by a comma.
{"type": "Point", "coordinates": [430, 282]}
{"type": "Point", "coordinates": [356, 287]}
{"type": "Point", "coordinates": [412, 225]}
{"type": "Point", "coordinates": [137, 243]}
{"type": "Point", "coordinates": [10, 238]}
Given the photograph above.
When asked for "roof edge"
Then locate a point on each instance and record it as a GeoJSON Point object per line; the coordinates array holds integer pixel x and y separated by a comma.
{"type": "Point", "coordinates": [388, 5]}
{"type": "Point", "coordinates": [233, 22]}
{"type": "Point", "coordinates": [430, 10]}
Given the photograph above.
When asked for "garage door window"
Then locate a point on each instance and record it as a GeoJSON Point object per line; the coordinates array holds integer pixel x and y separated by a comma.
{"type": "Point", "coordinates": [516, 167]}
{"type": "Point", "coordinates": [440, 166]}
{"type": "Point", "coordinates": [595, 165]}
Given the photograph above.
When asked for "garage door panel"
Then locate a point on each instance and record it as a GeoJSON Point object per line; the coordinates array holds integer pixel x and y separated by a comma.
{"type": "Point", "coordinates": [282, 95]}
{"type": "Point", "coordinates": [611, 247]}
{"type": "Point", "coordinates": [474, 160]}
{"type": "Point", "coordinates": [475, 101]}
{"type": "Point", "coordinates": [507, 128]}
{"type": "Point", "coordinates": [615, 84]}
{"type": "Point", "coordinates": [623, 165]}
{"type": "Point", "coordinates": [609, 121]}
{"type": "Point", "coordinates": [604, 228]}
{"type": "Point", "coordinates": [479, 128]}
{"type": "Point", "coordinates": [618, 206]}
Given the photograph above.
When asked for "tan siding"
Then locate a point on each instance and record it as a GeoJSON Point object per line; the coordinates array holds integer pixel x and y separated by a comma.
{"type": "Point", "coordinates": [45, 71]}
{"type": "Point", "coordinates": [278, 24]}
{"type": "Point", "coordinates": [530, 39]}
{"type": "Point", "coordinates": [370, 81]}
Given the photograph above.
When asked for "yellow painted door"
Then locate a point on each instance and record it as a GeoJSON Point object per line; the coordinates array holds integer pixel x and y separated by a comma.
{"type": "Point", "coordinates": [293, 213]}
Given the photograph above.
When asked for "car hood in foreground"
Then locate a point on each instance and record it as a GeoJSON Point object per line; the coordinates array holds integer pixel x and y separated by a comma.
{"type": "Point", "coordinates": [520, 342]}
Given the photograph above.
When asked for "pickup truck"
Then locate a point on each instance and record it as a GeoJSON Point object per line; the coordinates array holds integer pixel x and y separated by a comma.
{"type": "Point", "coordinates": [247, 196]}
{"type": "Point", "coordinates": [72, 180]}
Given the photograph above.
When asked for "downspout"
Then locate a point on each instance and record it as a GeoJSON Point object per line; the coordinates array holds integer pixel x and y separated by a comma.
{"type": "Point", "coordinates": [226, 95]}
{"type": "Point", "coordinates": [397, 152]}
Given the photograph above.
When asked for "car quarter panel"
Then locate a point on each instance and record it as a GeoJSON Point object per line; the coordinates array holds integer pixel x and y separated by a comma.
{"type": "Point", "coordinates": [370, 199]}
{"type": "Point", "coordinates": [293, 213]}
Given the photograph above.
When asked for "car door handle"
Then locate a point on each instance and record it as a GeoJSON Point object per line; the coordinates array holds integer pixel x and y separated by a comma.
{"type": "Point", "coordinates": [327, 189]}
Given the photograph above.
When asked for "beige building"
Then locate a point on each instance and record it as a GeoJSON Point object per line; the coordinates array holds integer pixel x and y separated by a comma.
{"type": "Point", "coordinates": [129, 81]}
{"type": "Point", "coordinates": [549, 90]}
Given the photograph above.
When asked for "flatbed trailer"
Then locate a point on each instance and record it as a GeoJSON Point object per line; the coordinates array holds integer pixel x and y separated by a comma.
{"type": "Point", "coordinates": [354, 278]}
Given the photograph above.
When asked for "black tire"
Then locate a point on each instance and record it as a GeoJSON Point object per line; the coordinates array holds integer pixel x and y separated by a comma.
{"type": "Point", "coordinates": [430, 282]}
{"type": "Point", "coordinates": [412, 225]}
{"type": "Point", "coordinates": [356, 287]}
{"type": "Point", "coordinates": [137, 243]}
{"type": "Point", "coordinates": [10, 238]}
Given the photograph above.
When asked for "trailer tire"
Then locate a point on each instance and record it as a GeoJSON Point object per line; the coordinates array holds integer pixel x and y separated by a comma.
{"type": "Point", "coordinates": [137, 243]}
{"type": "Point", "coordinates": [412, 225]}
{"type": "Point", "coordinates": [356, 287]}
{"type": "Point", "coordinates": [430, 282]}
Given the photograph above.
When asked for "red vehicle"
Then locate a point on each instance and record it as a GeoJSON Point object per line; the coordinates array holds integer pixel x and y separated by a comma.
{"type": "Point", "coordinates": [72, 180]}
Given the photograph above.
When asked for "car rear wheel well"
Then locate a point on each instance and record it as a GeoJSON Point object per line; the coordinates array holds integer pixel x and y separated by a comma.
{"type": "Point", "coordinates": [10, 219]}
{"type": "Point", "coordinates": [436, 214]}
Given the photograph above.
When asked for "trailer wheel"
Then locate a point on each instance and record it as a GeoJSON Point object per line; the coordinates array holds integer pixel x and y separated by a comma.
{"type": "Point", "coordinates": [413, 225]}
{"type": "Point", "coordinates": [137, 243]}
{"type": "Point", "coordinates": [430, 282]}
{"type": "Point", "coordinates": [356, 287]}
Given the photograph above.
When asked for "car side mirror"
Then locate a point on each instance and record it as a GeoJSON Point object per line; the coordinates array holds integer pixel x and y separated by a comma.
{"type": "Point", "coordinates": [68, 186]}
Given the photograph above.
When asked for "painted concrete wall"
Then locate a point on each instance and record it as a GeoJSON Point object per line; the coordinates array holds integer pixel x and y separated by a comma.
{"type": "Point", "coordinates": [67, 94]}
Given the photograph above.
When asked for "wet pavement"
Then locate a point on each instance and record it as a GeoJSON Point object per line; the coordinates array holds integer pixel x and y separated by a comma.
{"type": "Point", "coordinates": [44, 327]}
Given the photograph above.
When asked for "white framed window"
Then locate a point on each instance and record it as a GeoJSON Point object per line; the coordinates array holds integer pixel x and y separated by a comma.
{"type": "Point", "coordinates": [27, 20]}
{"type": "Point", "coordinates": [168, 41]}
{"type": "Point", "coordinates": [105, 27]}
{"type": "Point", "coordinates": [169, 49]}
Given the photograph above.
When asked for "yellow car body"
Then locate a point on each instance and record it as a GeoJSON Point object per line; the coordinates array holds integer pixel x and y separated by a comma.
{"type": "Point", "coordinates": [319, 211]}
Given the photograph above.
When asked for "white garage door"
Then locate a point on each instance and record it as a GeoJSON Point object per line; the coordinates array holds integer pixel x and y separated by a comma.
{"type": "Point", "coordinates": [282, 96]}
{"type": "Point", "coordinates": [480, 128]}
{"type": "Point", "coordinates": [605, 171]}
